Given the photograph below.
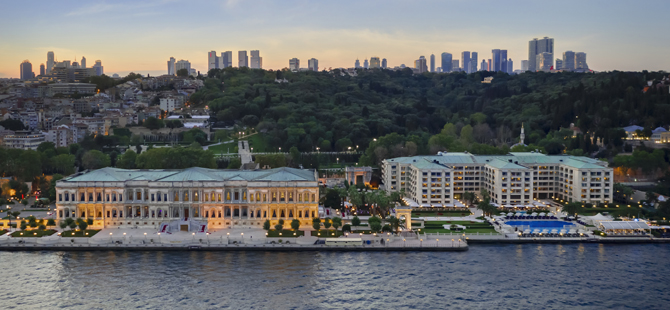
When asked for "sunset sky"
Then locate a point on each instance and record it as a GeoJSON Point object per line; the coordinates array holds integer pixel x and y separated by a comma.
{"type": "Point", "coordinates": [140, 36]}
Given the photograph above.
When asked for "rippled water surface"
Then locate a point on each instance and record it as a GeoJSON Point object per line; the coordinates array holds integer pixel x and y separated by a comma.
{"type": "Point", "coordinates": [586, 276]}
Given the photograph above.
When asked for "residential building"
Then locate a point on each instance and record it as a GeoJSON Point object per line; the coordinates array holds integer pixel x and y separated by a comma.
{"type": "Point", "coordinates": [484, 66]}
{"type": "Point", "coordinates": [26, 70]}
{"type": "Point", "coordinates": [524, 65]}
{"type": "Point", "coordinates": [366, 64]}
{"type": "Point", "coordinates": [25, 140]}
{"type": "Point", "coordinates": [242, 59]}
{"type": "Point", "coordinates": [420, 65]}
{"type": "Point", "coordinates": [226, 59]}
{"type": "Point", "coordinates": [182, 64]}
{"type": "Point", "coordinates": [82, 64]}
{"type": "Point", "coordinates": [512, 179]}
{"type": "Point", "coordinates": [446, 63]}
{"type": "Point", "coordinates": [490, 65]}
{"type": "Point", "coordinates": [658, 134]}
{"type": "Point", "coordinates": [536, 47]}
{"type": "Point", "coordinates": [559, 64]}
{"type": "Point", "coordinates": [357, 64]}
{"type": "Point", "coordinates": [465, 61]}
{"type": "Point", "coordinates": [544, 62]}
{"type": "Point", "coordinates": [70, 88]}
{"type": "Point", "coordinates": [61, 136]}
{"type": "Point", "coordinates": [294, 64]}
{"type": "Point", "coordinates": [42, 70]}
{"type": "Point", "coordinates": [50, 61]}
{"type": "Point", "coordinates": [170, 104]}
{"type": "Point", "coordinates": [455, 65]}
{"type": "Point", "coordinates": [313, 64]}
{"type": "Point", "coordinates": [171, 66]}
{"type": "Point", "coordinates": [99, 69]}
{"type": "Point", "coordinates": [256, 60]}
{"type": "Point", "coordinates": [432, 62]}
{"type": "Point", "coordinates": [510, 66]}
{"type": "Point", "coordinates": [212, 61]}
{"type": "Point", "coordinates": [569, 60]}
{"type": "Point", "coordinates": [192, 199]}
{"type": "Point", "coordinates": [580, 61]}
{"type": "Point", "coordinates": [474, 57]}
{"type": "Point", "coordinates": [384, 64]}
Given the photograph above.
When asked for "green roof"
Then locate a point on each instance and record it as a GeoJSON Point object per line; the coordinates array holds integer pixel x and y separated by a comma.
{"type": "Point", "coordinates": [110, 174]}
{"type": "Point", "coordinates": [501, 161]}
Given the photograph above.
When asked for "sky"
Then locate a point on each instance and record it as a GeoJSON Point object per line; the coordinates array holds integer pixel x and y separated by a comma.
{"type": "Point", "coordinates": [140, 36]}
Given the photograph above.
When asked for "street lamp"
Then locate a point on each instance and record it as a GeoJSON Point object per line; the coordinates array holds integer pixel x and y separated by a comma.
{"type": "Point", "coordinates": [159, 238]}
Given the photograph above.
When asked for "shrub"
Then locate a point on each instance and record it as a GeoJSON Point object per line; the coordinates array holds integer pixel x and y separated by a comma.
{"type": "Point", "coordinates": [346, 228]}
{"type": "Point", "coordinates": [266, 225]}
{"type": "Point", "coordinates": [295, 224]}
{"type": "Point", "coordinates": [356, 221]}
{"type": "Point", "coordinates": [42, 227]}
{"type": "Point", "coordinates": [386, 228]}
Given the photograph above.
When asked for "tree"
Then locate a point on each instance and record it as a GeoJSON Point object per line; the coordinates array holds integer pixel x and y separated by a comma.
{"type": "Point", "coordinates": [266, 225]}
{"type": "Point", "coordinates": [316, 223]}
{"type": "Point", "coordinates": [95, 159]}
{"type": "Point", "coordinates": [63, 225]}
{"type": "Point", "coordinates": [295, 154]}
{"type": "Point", "coordinates": [469, 198]}
{"type": "Point", "coordinates": [280, 226]}
{"type": "Point", "coordinates": [11, 215]}
{"type": "Point", "coordinates": [332, 199]}
{"type": "Point", "coordinates": [356, 221]}
{"type": "Point", "coordinates": [346, 228]}
{"type": "Point", "coordinates": [83, 225]}
{"type": "Point", "coordinates": [337, 222]}
{"type": "Point", "coordinates": [51, 222]}
{"type": "Point", "coordinates": [375, 224]}
{"type": "Point", "coordinates": [153, 123]}
{"type": "Point", "coordinates": [326, 223]}
{"type": "Point", "coordinates": [395, 223]}
{"type": "Point", "coordinates": [73, 226]}
{"type": "Point", "coordinates": [295, 224]}
{"type": "Point", "coordinates": [42, 227]}
{"type": "Point", "coordinates": [572, 208]}
{"type": "Point", "coordinates": [182, 72]}
{"type": "Point", "coordinates": [23, 226]}
{"type": "Point", "coordinates": [127, 160]}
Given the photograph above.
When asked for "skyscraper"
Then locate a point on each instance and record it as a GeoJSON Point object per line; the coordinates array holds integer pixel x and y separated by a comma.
{"type": "Point", "coordinates": [559, 64]}
{"type": "Point", "coordinates": [50, 61]}
{"type": "Point", "coordinates": [357, 64]}
{"type": "Point", "coordinates": [420, 64]}
{"type": "Point", "coordinates": [510, 66]}
{"type": "Point", "coordinates": [490, 65]}
{"type": "Point", "coordinates": [503, 60]}
{"type": "Point", "coordinates": [26, 69]}
{"type": "Point", "coordinates": [313, 64]}
{"type": "Point", "coordinates": [544, 61]}
{"type": "Point", "coordinates": [256, 60]}
{"type": "Point", "coordinates": [432, 62]}
{"type": "Point", "coordinates": [170, 65]}
{"type": "Point", "coordinates": [99, 70]}
{"type": "Point", "coordinates": [243, 59]}
{"type": "Point", "coordinates": [294, 64]}
{"type": "Point", "coordinates": [366, 64]}
{"type": "Point", "coordinates": [455, 67]}
{"type": "Point", "coordinates": [375, 63]}
{"type": "Point", "coordinates": [495, 57]}
{"type": "Point", "coordinates": [212, 61]}
{"type": "Point", "coordinates": [226, 59]}
{"type": "Point", "coordinates": [580, 61]}
{"type": "Point", "coordinates": [183, 64]}
{"type": "Point", "coordinates": [524, 65]}
{"type": "Point", "coordinates": [82, 64]}
{"type": "Point", "coordinates": [446, 62]}
{"type": "Point", "coordinates": [465, 59]}
{"type": "Point", "coordinates": [473, 61]}
{"type": "Point", "coordinates": [535, 47]}
{"type": "Point", "coordinates": [384, 64]}
{"type": "Point", "coordinates": [484, 66]}
{"type": "Point", "coordinates": [42, 69]}
{"type": "Point", "coordinates": [569, 60]}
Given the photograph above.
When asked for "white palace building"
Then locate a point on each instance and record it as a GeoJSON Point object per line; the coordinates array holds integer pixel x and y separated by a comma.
{"type": "Point", "coordinates": [193, 199]}
{"type": "Point", "coordinates": [512, 179]}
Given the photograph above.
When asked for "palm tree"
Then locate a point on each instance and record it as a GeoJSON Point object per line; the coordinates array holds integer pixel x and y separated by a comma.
{"type": "Point", "coordinates": [469, 198]}
{"type": "Point", "coordinates": [395, 223]}
{"type": "Point", "coordinates": [14, 214]}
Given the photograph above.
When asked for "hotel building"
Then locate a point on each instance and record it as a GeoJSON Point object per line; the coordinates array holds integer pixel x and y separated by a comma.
{"type": "Point", "coordinates": [189, 199]}
{"type": "Point", "coordinates": [512, 179]}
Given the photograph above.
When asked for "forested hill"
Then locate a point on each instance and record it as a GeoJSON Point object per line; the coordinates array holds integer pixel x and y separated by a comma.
{"type": "Point", "coordinates": [334, 111]}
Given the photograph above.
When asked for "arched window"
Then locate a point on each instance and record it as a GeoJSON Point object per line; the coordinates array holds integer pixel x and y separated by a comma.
{"type": "Point", "coordinates": [251, 214]}
{"type": "Point", "coordinates": [219, 214]}
{"type": "Point", "coordinates": [274, 213]}
{"type": "Point", "coordinates": [99, 197]}
{"type": "Point", "coordinates": [299, 213]}
{"type": "Point", "coordinates": [218, 197]}
{"type": "Point", "coordinates": [99, 213]}
{"type": "Point", "coordinates": [258, 213]}
{"type": "Point", "coordinates": [265, 198]}
{"type": "Point", "coordinates": [251, 197]}
{"type": "Point", "coordinates": [274, 196]}
{"type": "Point", "coordinates": [313, 198]}
{"type": "Point", "coordinates": [213, 197]}
{"type": "Point", "coordinates": [290, 213]}
{"type": "Point", "coordinates": [185, 195]}
{"type": "Point", "coordinates": [244, 195]}
{"type": "Point", "coordinates": [290, 196]}
{"type": "Point", "coordinates": [228, 196]}
{"type": "Point", "coordinates": [195, 196]}
{"type": "Point", "coordinates": [206, 213]}
{"type": "Point", "coordinates": [258, 196]}
{"type": "Point", "coordinates": [299, 197]}
{"type": "Point", "coordinates": [281, 197]}
{"type": "Point", "coordinates": [282, 213]}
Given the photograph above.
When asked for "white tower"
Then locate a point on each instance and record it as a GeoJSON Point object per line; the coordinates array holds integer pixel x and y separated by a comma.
{"type": "Point", "coordinates": [522, 136]}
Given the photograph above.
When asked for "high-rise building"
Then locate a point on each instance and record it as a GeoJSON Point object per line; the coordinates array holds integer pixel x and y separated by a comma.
{"type": "Point", "coordinates": [50, 61]}
{"type": "Point", "coordinates": [357, 64]}
{"type": "Point", "coordinates": [294, 64]}
{"type": "Point", "coordinates": [568, 60]}
{"type": "Point", "coordinates": [580, 61]}
{"type": "Point", "coordinates": [170, 65]}
{"type": "Point", "coordinates": [420, 65]}
{"type": "Point", "coordinates": [559, 64]}
{"type": "Point", "coordinates": [42, 69]}
{"type": "Point", "coordinates": [226, 59]}
{"type": "Point", "coordinates": [474, 57]}
{"type": "Point", "coordinates": [446, 62]}
{"type": "Point", "coordinates": [375, 63]}
{"type": "Point", "coordinates": [536, 47]}
{"type": "Point", "coordinates": [182, 64]}
{"type": "Point", "coordinates": [242, 59]}
{"type": "Point", "coordinates": [490, 65]}
{"type": "Point", "coordinates": [510, 66]}
{"type": "Point", "coordinates": [366, 64]}
{"type": "Point", "coordinates": [455, 67]}
{"type": "Point", "coordinates": [313, 64]}
{"type": "Point", "coordinates": [544, 61]}
{"type": "Point", "coordinates": [384, 64]}
{"type": "Point", "coordinates": [524, 65]}
{"type": "Point", "coordinates": [432, 62]}
{"type": "Point", "coordinates": [256, 60]}
{"type": "Point", "coordinates": [483, 66]}
{"type": "Point", "coordinates": [82, 64]}
{"type": "Point", "coordinates": [26, 69]}
{"type": "Point", "coordinates": [212, 61]}
{"type": "Point", "coordinates": [99, 70]}
{"type": "Point", "coordinates": [499, 60]}
{"type": "Point", "coordinates": [75, 65]}
{"type": "Point", "coordinates": [465, 59]}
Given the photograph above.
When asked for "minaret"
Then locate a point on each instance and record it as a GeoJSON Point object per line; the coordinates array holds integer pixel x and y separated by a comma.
{"type": "Point", "coordinates": [523, 136]}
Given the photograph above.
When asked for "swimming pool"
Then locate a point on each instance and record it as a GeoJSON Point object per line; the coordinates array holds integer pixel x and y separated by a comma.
{"type": "Point", "coordinates": [540, 224]}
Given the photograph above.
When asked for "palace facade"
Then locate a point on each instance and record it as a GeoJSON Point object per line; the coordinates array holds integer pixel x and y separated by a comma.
{"type": "Point", "coordinates": [512, 179]}
{"type": "Point", "coordinates": [193, 199]}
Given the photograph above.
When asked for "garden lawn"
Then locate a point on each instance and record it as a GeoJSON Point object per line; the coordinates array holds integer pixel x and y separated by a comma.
{"type": "Point", "coordinates": [467, 231]}
{"type": "Point", "coordinates": [257, 141]}
{"type": "Point", "coordinates": [79, 233]}
{"type": "Point", "coordinates": [326, 233]}
{"type": "Point", "coordinates": [33, 233]}
{"type": "Point", "coordinates": [623, 210]}
{"type": "Point", "coordinates": [286, 233]}
{"type": "Point", "coordinates": [2, 232]}
{"type": "Point", "coordinates": [224, 148]}
{"type": "Point", "coordinates": [440, 213]}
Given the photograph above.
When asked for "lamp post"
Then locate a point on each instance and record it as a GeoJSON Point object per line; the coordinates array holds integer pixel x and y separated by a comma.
{"type": "Point", "coordinates": [452, 242]}
{"type": "Point", "coordinates": [242, 237]}
{"type": "Point", "coordinates": [145, 237]}
{"type": "Point", "coordinates": [421, 243]}
{"type": "Point", "coordinates": [159, 238]}
{"type": "Point", "coordinates": [110, 238]}
{"type": "Point", "coordinates": [403, 243]}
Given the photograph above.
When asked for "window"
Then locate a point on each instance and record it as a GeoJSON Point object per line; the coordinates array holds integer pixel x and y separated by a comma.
{"type": "Point", "coordinates": [195, 196]}
{"type": "Point", "coordinates": [158, 196]}
{"type": "Point", "coordinates": [282, 198]}
{"type": "Point", "coordinates": [138, 195]}
{"type": "Point", "coordinates": [99, 197]}
{"type": "Point", "coordinates": [153, 197]}
{"type": "Point", "coordinates": [176, 196]}
{"type": "Point", "coordinates": [244, 196]}
{"type": "Point", "coordinates": [237, 196]}
{"type": "Point", "coordinates": [258, 196]}
{"type": "Point", "coordinates": [107, 197]}
{"type": "Point", "coordinates": [83, 197]}
{"type": "Point", "coordinates": [228, 196]}
{"type": "Point", "coordinates": [313, 198]}
{"type": "Point", "coordinates": [60, 197]}
{"type": "Point", "coordinates": [290, 196]}
{"type": "Point", "coordinates": [120, 197]}
{"type": "Point", "coordinates": [206, 197]}
{"type": "Point", "coordinates": [185, 195]}
{"type": "Point", "coordinates": [219, 197]}
{"type": "Point", "coordinates": [90, 196]}
{"type": "Point", "coordinates": [274, 196]}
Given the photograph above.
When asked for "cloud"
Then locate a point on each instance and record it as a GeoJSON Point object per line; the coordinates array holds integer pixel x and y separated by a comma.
{"type": "Point", "coordinates": [107, 7]}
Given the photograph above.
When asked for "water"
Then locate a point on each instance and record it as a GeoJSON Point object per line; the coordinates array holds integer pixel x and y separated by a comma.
{"type": "Point", "coordinates": [530, 276]}
{"type": "Point", "coordinates": [540, 224]}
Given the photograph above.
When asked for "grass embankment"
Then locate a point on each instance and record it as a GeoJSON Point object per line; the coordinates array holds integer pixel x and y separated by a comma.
{"type": "Point", "coordinates": [257, 141]}
{"type": "Point", "coordinates": [286, 233]}
{"type": "Point", "coordinates": [33, 233]}
{"type": "Point", "coordinates": [622, 210]}
{"type": "Point", "coordinates": [441, 213]}
{"type": "Point", "coordinates": [470, 227]}
{"type": "Point", "coordinates": [224, 148]}
{"type": "Point", "coordinates": [79, 233]}
{"type": "Point", "coordinates": [325, 233]}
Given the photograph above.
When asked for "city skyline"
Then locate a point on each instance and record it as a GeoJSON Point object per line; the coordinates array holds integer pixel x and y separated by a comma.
{"type": "Point", "coordinates": [393, 34]}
